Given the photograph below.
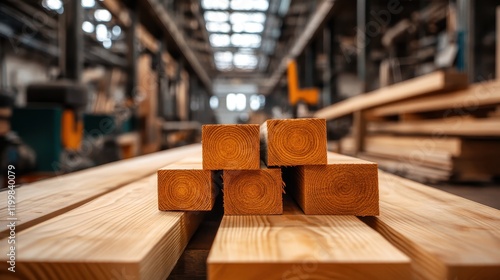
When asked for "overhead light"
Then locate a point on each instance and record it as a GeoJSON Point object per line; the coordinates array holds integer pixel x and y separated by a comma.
{"type": "Point", "coordinates": [214, 102]}
{"type": "Point", "coordinates": [245, 61]}
{"type": "Point", "coordinates": [116, 30]}
{"type": "Point", "coordinates": [222, 27]}
{"type": "Point", "coordinates": [101, 32]}
{"type": "Point", "coordinates": [220, 40]}
{"type": "Point", "coordinates": [236, 102]}
{"type": "Point", "coordinates": [223, 56]}
{"type": "Point", "coordinates": [88, 3]}
{"type": "Point", "coordinates": [216, 16]}
{"type": "Point", "coordinates": [257, 102]}
{"type": "Point", "coordinates": [88, 27]}
{"type": "Point", "coordinates": [54, 5]}
{"type": "Point", "coordinates": [259, 5]}
{"type": "Point", "coordinates": [246, 40]}
{"type": "Point", "coordinates": [239, 17]}
{"type": "Point", "coordinates": [102, 15]}
{"type": "Point", "coordinates": [250, 27]}
{"type": "Point", "coordinates": [107, 43]}
{"type": "Point", "coordinates": [215, 4]}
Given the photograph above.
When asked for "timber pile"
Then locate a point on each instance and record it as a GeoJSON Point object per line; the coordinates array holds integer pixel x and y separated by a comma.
{"type": "Point", "coordinates": [252, 158]}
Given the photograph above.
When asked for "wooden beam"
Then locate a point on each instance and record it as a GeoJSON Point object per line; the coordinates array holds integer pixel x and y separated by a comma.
{"type": "Point", "coordinates": [253, 192]}
{"type": "Point", "coordinates": [460, 126]}
{"type": "Point", "coordinates": [466, 100]}
{"type": "Point", "coordinates": [119, 235]}
{"type": "Point", "coordinates": [346, 186]}
{"type": "Point", "coordinates": [46, 199]}
{"type": "Point", "coordinates": [427, 84]}
{"type": "Point", "coordinates": [186, 186]}
{"type": "Point", "coordinates": [447, 237]}
{"type": "Point", "coordinates": [293, 142]}
{"type": "Point", "coordinates": [297, 246]}
{"type": "Point", "coordinates": [232, 146]}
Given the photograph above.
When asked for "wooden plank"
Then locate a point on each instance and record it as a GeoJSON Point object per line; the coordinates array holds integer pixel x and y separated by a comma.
{"type": "Point", "coordinates": [43, 200]}
{"type": "Point", "coordinates": [290, 142]}
{"type": "Point", "coordinates": [459, 126]}
{"type": "Point", "coordinates": [184, 185]}
{"type": "Point", "coordinates": [447, 237]}
{"type": "Point", "coordinates": [427, 84]}
{"type": "Point", "coordinates": [253, 192]}
{"type": "Point", "coordinates": [346, 186]}
{"type": "Point", "coordinates": [118, 235]}
{"type": "Point", "coordinates": [298, 246]}
{"type": "Point", "coordinates": [466, 100]}
{"type": "Point", "coordinates": [231, 146]}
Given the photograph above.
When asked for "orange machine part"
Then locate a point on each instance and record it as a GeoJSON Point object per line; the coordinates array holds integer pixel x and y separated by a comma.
{"type": "Point", "coordinates": [295, 94]}
{"type": "Point", "coordinates": [71, 130]}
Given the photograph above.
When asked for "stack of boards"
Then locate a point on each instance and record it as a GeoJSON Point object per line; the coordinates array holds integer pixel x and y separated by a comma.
{"type": "Point", "coordinates": [248, 161]}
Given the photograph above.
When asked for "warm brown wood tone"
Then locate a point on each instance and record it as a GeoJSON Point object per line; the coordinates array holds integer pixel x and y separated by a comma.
{"type": "Point", "coordinates": [346, 186]}
{"type": "Point", "coordinates": [186, 186]}
{"type": "Point", "coordinates": [461, 126]}
{"type": "Point", "coordinates": [466, 100]}
{"type": "Point", "coordinates": [253, 192]}
{"type": "Point", "coordinates": [43, 200]}
{"type": "Point", "coordinates": [293, 142]}
{"type": "Point", "coordinates": [231, 146]}
{"type": "Point", "coordinates": [298, 246]}
{"type": "Point", "coordinates": [427, 84]}
{"type": "Point", "coordinates": [446, 236]}
{"type": "Point", "coordinates": [120, 235]}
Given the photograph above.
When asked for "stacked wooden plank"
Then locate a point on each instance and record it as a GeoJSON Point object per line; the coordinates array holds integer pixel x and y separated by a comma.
{"type": "Point", "coordinates": [251, 159]}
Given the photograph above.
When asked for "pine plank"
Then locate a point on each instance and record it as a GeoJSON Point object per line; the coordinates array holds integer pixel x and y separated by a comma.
{"type": "Point", "coordinates": [431, 83]}
{"type": "Point", "coordinates": [447, 237]}
{"type": "Point", "coordinates": [186, 186]}
{"type": "Point", "coordinates": [290, 142]}
{"type": "Point", "coordinates": [253, 192]}
{"type": "Point", "coordinates": [119, 235]}
{"type": "Point", "coordinates": [43, 200]}
{"type": "Point", "coordinates": [456, 126]}
{"type": "Point", "coordinates": [231, 146]}
{"type": "Point", "coordinates": [298, 246]}
{"type": "Point", "coordinates": [465, 100]}
{"type": "Point", "coordinates": [346, 186]}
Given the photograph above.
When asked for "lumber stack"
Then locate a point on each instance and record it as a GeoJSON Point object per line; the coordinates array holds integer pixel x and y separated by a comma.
{"type": "Point", "coordinates": [251, 160]}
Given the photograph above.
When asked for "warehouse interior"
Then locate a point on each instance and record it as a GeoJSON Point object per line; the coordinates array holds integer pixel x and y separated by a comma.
{"type": "Point", "coordinates": [96, 96]}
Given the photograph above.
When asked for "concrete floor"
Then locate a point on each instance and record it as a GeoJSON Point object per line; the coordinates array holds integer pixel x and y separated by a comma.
{"type": "Point", "coordinates": [487, 194]}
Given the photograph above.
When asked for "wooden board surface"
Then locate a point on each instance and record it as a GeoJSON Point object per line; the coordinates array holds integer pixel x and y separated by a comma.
{"type": "Point", "coordinates": [185, 186]}
{"type": "Point", "coordinates": [298, 246]}
{"type": "Point", "coordinates": [465, 100]}
{"type": "Point", "coordinates": [447, 237]}
{"type": "Point", "coordinates": [43, 200]}
{"type": "Point", "coordinates": [253, 192]}
{"type": "Point", "coordinates": [233, 146]}
{"type": "Point", "coordinates": [120, 235]}
{"type": "Point", "coordinates": [346, 186]}
{"type": "Point", "coordinates": [427, 84]}
{"type": "Point", "coordinates": [290, 142]}
{"type": "Point", "coordinates": [461, 126]}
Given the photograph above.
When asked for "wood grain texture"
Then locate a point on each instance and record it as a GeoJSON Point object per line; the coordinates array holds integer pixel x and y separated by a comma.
{"type": "Point", "coordinates": [447, 237]}
{"type": "Point", "coordinates": [231, 146]}
{"type": "Point", "coordinates": [253, 192]}
{"type": "Point", "coordinates": [346, 186]}
{"type": "Point", "coordinates": [297, 246]}
{"type": "Point", "coordinates": [186, 186]}
{"type": "Point", "coordinates": [43, 200]}
{"type": "Point", "coordinates": [120, 235]}
{"type": "Point", "coordinates": [427, 84]}
{"type": "Point", "coordinates": [456, 126]}
{"type": "Point", "coordinates": [290, 142]}
{"type": "Point", "coordinates": [481, 94]}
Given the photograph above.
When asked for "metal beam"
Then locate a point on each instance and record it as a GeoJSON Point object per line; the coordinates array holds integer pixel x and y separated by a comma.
{"type": "Point", "coordinates": [73, 42]}
{"type": "Point", "coordinates": [315, 22]}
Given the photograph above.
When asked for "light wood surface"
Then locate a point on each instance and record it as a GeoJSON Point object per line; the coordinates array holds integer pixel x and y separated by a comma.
{"type": "Point", "coordinates": [346, 186]}
{"type": "Point", "coordinates": [231, 146]}
{"type": "Point", "coordinates": [253, 192]}
{"type": "Point", "coordinates": [45, 199]}
{"type": "Point", "coordinates": [185, 185]}
{"type": "Point", "coordinates": [290, 142]}
{"type": "Point", "coordinates": [427, 84]}
{"type": "Point", "coordinates": [460, 126]}
{"type": "Point", "coordinates": [465, 100]}
{"type": "Point", "coordinates": [120, 235]}
{"type": "Point", "coordinates": [447, 237]}
{"type": "Point", "coordinates": [298, 246]}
